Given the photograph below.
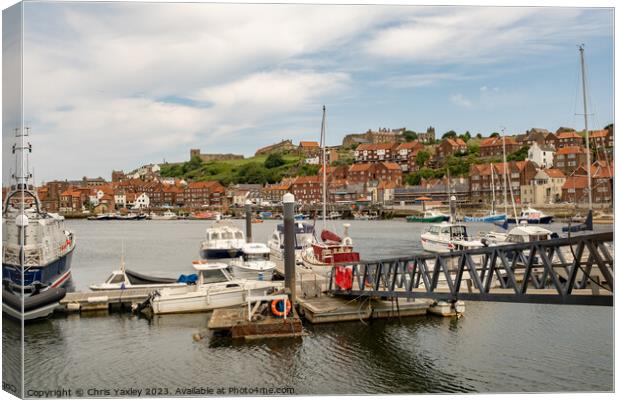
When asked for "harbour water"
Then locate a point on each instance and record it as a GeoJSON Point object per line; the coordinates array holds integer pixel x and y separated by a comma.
{"type": "Point", "coordinates": [494, 347]}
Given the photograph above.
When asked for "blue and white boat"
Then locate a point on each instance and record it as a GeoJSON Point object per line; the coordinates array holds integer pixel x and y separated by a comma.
{"type": "Point", "coordinates": [304, 236]}
{"type": "Point", "coordinates": [486, 218]}
{"type": "Point", "coordinates": [223, 241]}
{"type": "Point", "coordinates": [36, 251]}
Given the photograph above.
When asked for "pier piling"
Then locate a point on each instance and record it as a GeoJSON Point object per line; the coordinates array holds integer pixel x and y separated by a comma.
{"type": "Point", "coordinates": [288, 204]}
{"type": "Point", "coordinates": [248, 221]}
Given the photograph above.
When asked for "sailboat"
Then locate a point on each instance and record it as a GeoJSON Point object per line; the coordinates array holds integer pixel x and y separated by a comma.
{"type": "Point", "coordinates": [331, 249]}
{"type": "Point", "coordinates": [492, 216]}
{"type": "Point", "coordinates": [587, 225]}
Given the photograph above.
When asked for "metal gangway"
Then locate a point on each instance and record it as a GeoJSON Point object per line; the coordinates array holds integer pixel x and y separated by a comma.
{"type": "Point", "coordinates": [574, 270]}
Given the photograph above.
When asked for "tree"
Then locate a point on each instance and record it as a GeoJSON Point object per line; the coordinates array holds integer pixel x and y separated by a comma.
{"type": "Point", "coordinates": [473, 148]}
{"type": "Point", "coordinates": [449, 134]}
{"type": "Point", "coordinates": [478, 135]}
{"type": "Point", "coordinates": [410, 136]}
{"type": "Point", "coordinates": [274, 160]}
{"type": "Point", "coordinates": [422, 157]}
{"type": "Point", "coordinates": [518, 155]}
{"type": "Point", "coordinates": [495, 134]}
{"type": "Point", "coordinates": [466, 136]}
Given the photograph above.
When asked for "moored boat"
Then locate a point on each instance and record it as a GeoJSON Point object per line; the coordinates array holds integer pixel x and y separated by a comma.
{"type": "Point", "coordinates": [447, 236]}
{"type": "Point", "coordinates": [223, 240]}
{"type": "Point", "coordinates": [429, 217]}
{"type": "Point", "coordinates": [37, 250]}
{"type": "Point", "coordinates": [215, 288]}
{"type": "Point", "coordinates": [254, 263]}
{"type": "Point", "coordinates": [531, 216]}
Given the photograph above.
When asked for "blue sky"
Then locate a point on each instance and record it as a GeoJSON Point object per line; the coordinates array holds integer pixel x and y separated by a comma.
{"type": "Point", "coordinates": [119, 85]}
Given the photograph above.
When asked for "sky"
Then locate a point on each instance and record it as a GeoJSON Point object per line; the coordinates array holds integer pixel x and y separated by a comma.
{"type": "Point", "coordinates": [119, 85]}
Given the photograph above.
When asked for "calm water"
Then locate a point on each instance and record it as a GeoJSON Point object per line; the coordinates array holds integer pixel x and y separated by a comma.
{"type": "Point", "coordinates": [494, 348]}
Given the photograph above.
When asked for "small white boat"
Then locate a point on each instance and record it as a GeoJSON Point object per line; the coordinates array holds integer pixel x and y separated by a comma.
{"type": "Point", "coordinates": [215, 288]}
{"type": "Point", "coordinates": [254, 263]}
{"type": "Point", "coordinates": [519, 234]}
{"type": "Point", "coordinates": [447, 236]}
{"type": "Point", "coordinates": [125, 279]}
{"type": "Point", "coordinates": [166, 216]}
{"type": "Point", "coordinates": [223, 241]}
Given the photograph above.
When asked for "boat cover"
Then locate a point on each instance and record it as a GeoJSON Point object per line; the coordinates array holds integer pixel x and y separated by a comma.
{"type": "Point", "coordinates": [140, 279]}
{"type": "Point", "coordinates": [329, 236]}
{"type": "Point", "coordinates": [189, 279]}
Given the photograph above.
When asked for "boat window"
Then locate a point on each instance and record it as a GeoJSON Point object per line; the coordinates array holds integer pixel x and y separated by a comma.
{"type": "Point", "coordinates": [116, 279]}
{"type": "Point", "coordinates": [227, 235]}
{"type": "Point", "coordinates": [215, 236]}
{"type": "Point", "coordinates": [256, 257]}
{"type": "Point", "coordinates": [445, 230]}
{"type": "Point", "coordinates": [238, 235]}
{"type": "Point", "coordinates": [213, 276]}
{"type": "Point", "coordinates": [515, 239]}
{"type": "Point", "coordinates": [459, 231]}
{"type": "Point", "coordinates": [434, 229]}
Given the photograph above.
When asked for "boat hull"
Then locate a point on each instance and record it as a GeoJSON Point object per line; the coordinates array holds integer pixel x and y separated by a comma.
{"type": "Point", "coordinates": [199, 299]}
{"type": "Point", "coordinates": [219, 254]}
{"type": "Point", "coordinates": [54, 274]}
{"type": "Point", "coordinates": [438, 218]}
{"type": "Point", "coordinates": [241, 272]}
{"type": "Point", "coordinates": [486, 218]}
{"type": "Point", "coordinates": [544, 220]}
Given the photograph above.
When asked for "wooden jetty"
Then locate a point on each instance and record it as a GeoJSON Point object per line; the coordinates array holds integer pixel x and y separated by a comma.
{"type": "Point", "coordinates": [105, 299]}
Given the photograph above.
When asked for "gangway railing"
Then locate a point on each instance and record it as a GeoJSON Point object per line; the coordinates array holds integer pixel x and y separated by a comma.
{"type": "Point", "coordinates": [574, 270]}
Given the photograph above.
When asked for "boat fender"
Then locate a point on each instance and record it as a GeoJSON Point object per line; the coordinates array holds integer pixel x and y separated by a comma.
{"type": "Point", "coordinates": [276, 312]}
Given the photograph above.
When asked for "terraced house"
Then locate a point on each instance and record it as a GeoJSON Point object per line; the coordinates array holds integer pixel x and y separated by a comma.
{"type": "Point", "coordinates": [493, 146]}
{"type": "Point", "coordinates": [377, 152]}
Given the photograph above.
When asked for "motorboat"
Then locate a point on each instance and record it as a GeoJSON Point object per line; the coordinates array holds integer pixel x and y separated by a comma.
{"type": "Point", "coordinates": [37, 250]}
{"type": "Point", "coordinates": [254, 263]}
{"type": "Point", "coordinates": [223, 240]}
{"type": "Point", "coordinates": [448, 236]}
{"type": "Point", "coordinates": [429, 216]}
{"type": "Point", "coordinates": [531, 216]}
{"type": "Point", "coordinates": [215, 288]}
{"type": "Point", "coordinates": [166, 216]}
{"type": "Point", "coordinates": [491, 217]}
{"type": "Point", "coordinates": [304, 236]}
{"type": "Point", "coordinates": [523, 233]}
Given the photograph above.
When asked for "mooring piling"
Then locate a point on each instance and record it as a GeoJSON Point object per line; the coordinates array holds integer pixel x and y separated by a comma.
{"type": "Point", "coordinates": [288, 204]}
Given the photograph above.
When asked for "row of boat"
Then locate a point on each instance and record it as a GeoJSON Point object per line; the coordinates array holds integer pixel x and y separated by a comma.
{"type": "Point", "coordinates": [165, 216]}
{"type": "Point", "coordinates": [527, 215]}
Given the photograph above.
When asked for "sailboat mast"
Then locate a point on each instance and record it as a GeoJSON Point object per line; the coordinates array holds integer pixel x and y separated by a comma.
{"type": "Point", "coordinates": [585, 118]}
{"type": "Point", "coordinates": [492, 192]}
{"type": "Point", "coordinates": [324, 171]}
{"type": "Point", "coordinates": [505, 178]}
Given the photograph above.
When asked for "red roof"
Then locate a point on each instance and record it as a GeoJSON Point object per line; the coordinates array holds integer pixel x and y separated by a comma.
{"type": "Point", "coordinates": [601, 133]}
{"type": "Point", "coordinates": [308, 144]}
{"type": "Point", "coordinates": [306, 179]}
{"type": "Point", "coordinates": [391, 165]}
{"type": "Point", "coordinates": [458, 142]}
{"type": "Point", "coordinates": [576, 182]}
{"type": "Point", "coordinates": [568, 135]}
{"type": "Point", "coordinates": [572, 150]}
{"type": "Point", "coordinates": [554, 173]}
{"type": "Point", "coordinates": [360, 167]}
{"type": "Point", "coordinates": [202, 185]}
{"type": "Point", "coordinates": [410, 145]}
{"type": "Point", "coordinates": [375, 146]}
{"type": "Point", "coordinates": [497, 141]}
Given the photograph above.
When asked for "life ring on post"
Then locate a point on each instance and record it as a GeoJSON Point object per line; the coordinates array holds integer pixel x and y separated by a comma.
{"type": "Point", "coordinates": [280, 313]}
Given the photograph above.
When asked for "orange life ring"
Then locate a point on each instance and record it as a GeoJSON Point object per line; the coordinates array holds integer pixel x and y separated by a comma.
{"type": "Point", "coordinates": [278, 313]}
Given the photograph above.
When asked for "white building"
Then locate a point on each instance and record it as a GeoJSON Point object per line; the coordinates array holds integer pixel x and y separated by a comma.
{"type": "Point", "coordinates": [541, 155]}
{"type": "Point", "coordinates": [142, 201]}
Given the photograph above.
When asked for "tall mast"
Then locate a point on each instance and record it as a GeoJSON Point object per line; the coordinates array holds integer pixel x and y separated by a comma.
{"type": "Point", "coordinates": [505, 178]}
{"type": "Point", "coordinates": [324, 170]}
{"type": "Point", "coordinates": [492, 192]}
{"type": "Point", "coordinates": [585, 118]}
{"type": "Point", "coordinates": [514, 207]}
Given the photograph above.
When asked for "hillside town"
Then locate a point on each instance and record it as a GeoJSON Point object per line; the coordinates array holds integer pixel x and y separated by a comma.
{"type": "Point", "coordinates": [386, 167]}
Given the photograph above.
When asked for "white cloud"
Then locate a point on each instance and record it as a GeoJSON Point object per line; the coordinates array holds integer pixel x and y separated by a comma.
{"type": "Point", "coordinates": [475, 35]}
{"type": "Point", "coordinates": [461, 100]}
